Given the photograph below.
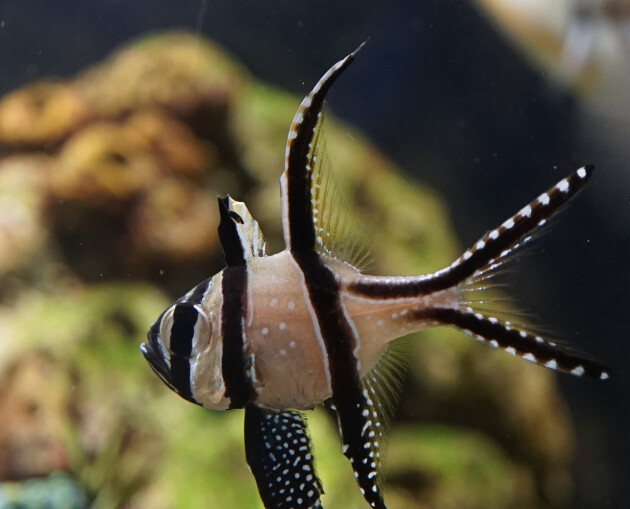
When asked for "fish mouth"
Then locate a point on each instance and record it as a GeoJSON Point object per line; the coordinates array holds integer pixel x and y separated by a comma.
{"type": "Point", "coordinates": [152, 354]}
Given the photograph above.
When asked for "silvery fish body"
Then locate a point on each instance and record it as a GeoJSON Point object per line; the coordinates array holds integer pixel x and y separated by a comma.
{"type": "Point", "coordinates": [283, 333]}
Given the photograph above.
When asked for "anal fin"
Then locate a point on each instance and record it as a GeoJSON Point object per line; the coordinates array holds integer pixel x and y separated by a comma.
{"type": "Point", "coordinates": [278, 452]}
{"type": "Point", "coordinates": [359, 426]}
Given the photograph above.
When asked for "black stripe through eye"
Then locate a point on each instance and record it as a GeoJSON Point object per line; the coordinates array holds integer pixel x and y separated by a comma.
{"type": "Point", "coordinates": [184, 319]}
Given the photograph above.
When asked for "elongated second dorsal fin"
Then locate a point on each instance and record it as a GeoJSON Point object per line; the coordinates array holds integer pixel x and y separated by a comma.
{"type": "Point", "coordinates": [299, 213]}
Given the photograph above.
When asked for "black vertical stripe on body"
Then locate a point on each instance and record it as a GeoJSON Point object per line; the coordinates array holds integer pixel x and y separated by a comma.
{"type": "Point", "coordinates": [235, 363]}
{"type": "Point", "coordinates": [323, 289]}
{"type": "Point", "coordinates": [493, 246]}
{"type": "Point", "coordinates": [517, 342]}
{"type": "Point", "coordinates": [278, 451]}
{"type": "Point", "coordinates": [300, 212]}
{"type": "Point", "coordinates": [351, 404]}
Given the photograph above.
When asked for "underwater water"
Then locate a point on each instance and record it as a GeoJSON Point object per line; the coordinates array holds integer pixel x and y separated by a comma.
{"type": "Point", "coordinates": [111, 175]}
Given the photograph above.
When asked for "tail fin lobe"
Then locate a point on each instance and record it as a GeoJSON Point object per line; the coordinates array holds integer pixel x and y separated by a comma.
{"type": "Point", "coordinates": [516, 341]}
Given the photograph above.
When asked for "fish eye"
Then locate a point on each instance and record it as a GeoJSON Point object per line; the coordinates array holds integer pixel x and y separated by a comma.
{"type": "Point", "coordinates": [185, 330]}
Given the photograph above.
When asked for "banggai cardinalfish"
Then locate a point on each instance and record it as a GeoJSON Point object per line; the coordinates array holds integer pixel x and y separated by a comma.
{"type": "Point", "coordinates": [282, 333]}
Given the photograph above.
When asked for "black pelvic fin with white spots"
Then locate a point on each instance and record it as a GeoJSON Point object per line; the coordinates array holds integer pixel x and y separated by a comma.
{"type": "Point", "coordinates": [530, 347]}
{"type": "Point", "coordinates": [279, 454]}
{"type": "Point", "coordinates": [298, 216]}
{"type": "Point", "coordinates": [489, 250]}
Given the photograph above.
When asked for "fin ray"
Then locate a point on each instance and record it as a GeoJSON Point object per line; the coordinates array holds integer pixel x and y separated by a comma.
{"type": "Point", "coordinates": [337, 232]}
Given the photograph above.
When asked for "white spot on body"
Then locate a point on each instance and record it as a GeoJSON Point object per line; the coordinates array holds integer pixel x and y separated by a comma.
{"type": "Point", "coordinates": [509, 223]}
{"type": "Point", "coordinates": [292, 134]}
{"type": "Point", "coordinates": [282, 326]}
{"type": "Point", "coordinates": [494, 234]}
{"type": "Point", "coordinates": [291, 305]}
{"type": "Point", "coordinates": [292, 344]}
{"type": "Point", "coordinates": [510, 350]}
{"type": "Point", "coordinates": [265, 331]}
{"type": "Point", "coordinates": [467, 255]}
{"type": "Point", "coordinates": [273, 302]}
{"type": "Point", "coordinates": [581, 173]}
{"type": "Point", "coordinates": [283, 352]}
{"type": "Point", "coordinates": [529, 357]}
{"type": "Point", "coordinates": [526, 211]}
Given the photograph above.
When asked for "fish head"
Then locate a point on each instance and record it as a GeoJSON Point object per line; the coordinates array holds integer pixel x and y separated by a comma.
{"type": "Point", "coordinates": [184, 346]}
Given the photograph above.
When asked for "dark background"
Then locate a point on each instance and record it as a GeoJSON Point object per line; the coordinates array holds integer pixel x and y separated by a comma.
{"type": "Point", "coordinates": [451, 101]}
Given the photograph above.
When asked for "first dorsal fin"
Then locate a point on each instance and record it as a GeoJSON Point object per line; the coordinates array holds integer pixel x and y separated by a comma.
{"type": "Point", "coordinates": [239, 233]}
{"type": "Point", "coordinates": [298, 217]}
